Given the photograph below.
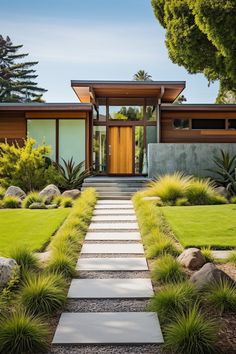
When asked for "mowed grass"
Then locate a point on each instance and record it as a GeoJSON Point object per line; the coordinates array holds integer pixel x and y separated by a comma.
{"type": "Point", "coordinates": [208, 225]}
{"type": "Point", "coordinates": [31, 228]}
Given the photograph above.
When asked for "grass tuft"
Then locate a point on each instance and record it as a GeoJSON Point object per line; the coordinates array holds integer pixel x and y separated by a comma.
{"type": "Point", "coordinates": [22, 333]}
{"type": "Point", "coordinates": [222, 296]}
{"type": "Point", "coordinates": [26, 259]}
{"type": "Point", "coordinates": [61, 263]}
{"type": "Point", "coordinates": [32, 197]}
{"type": "Point", "coordinates": [43, 294]}
{"type": "Point", "coordinates": [168, 270]}
{"type": "Point", "coordinates": [207, 253]}
{"type": "Point", "coordinates": [160, 248]}
{"type": "Point", "coordinates": [11, 202]}
{"type": "Point", "coordinates": [232, 258]}
{"type": "Point", "coordinates": [2, 192]}
{"type": "Point", "coordinates": [191, 333]}
{"type": "Point", "coordinates": [172, 299]}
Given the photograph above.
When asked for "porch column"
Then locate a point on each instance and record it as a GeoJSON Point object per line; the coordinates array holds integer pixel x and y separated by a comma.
{"type": "Point", "coordinates": [159, 121]}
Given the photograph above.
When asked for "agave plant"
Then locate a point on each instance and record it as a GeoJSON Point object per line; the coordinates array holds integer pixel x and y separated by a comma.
{"type": "Point", "coordinates": [72, 175]}
{"type": "Point", "coordinates": [224, 171]}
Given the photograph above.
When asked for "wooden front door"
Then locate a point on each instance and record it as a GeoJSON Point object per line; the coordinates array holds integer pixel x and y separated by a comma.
{"type": "Point", "coordinates": [120, 150]}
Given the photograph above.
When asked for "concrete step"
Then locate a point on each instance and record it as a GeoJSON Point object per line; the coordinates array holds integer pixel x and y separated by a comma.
{"type": "Point", "coordinates": [116, 184]}
{"type": "Point", "coordinates": [114, 189]}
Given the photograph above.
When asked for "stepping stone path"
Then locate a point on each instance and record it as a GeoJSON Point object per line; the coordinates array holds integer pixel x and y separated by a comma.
{"type": "Point", "coordinates": [111, 269]}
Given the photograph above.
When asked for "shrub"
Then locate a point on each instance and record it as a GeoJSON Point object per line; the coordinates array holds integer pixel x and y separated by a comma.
{"type": "Point", "coordinates": [173, 298]}
{"type": "Point", "coordinates": [232, 257]}
{"type": "Point", "coordinates": [169, 187]}
{"type": "Point", "coordinates": [233, 200]}
{"type": "Point", "coordinates": [43, 294]}
{"type": "Point", "coordinates": [167, 270]}
{"type": "Point", "coordinates": [2, 192]}
{"type": "Point", "coordinates": [191, 333]}
{"type": "Point", "coordinates": [26, 166]}
{"type": "Point", "coordinates": [11, 202]}
{"type": "Point", "coordinates": [61, 263]}
{"type": "Point", "coordinates": [222, 296]}
{"type": "Point", "coordinates": [24, 258]}
{"type": "Point", "coordinates": [32, 197]}
{"type": "Point", "coordinates": [218, 199]}
{"type": "Point", "coordinates": [182, 202]}
{"type": "Point", "coordinates": [22, 333]}
{"type": "Point", "coordinates": [162, 247]}
{"type": "Point", "coordinates": [64, 202]}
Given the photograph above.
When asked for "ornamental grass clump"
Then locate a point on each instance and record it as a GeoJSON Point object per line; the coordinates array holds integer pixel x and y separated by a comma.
{"type": "Point", "coordinates": [168, 270]}
{"type": "Point", "coordinates": [169, 187]}
{"type": "Point", "coordinates": [191, 333]}
{"type": "Point", "coordinates": [11, 202]}
{"type": "Point", "coordinates": [172, 299]}
{"type": "Point", "coordinates": [43, 294]}
{"type": "Point", "coordinates": [202, 192]}
{"type": "Point", "coordinates": [207, 253]}
{"type": "Point", "coordinates": [63, 202]}
{"type": "Point", "coordinates": [2, 192]}
{"type": "Point", "coordinates": [32, 197]}
{"type": "Point", "coordinates": [161, 247]}
{"type": "Point", "coordinates": [221, 296]}
{"type": "Point", "coordinates": [232, 258]}
{"type": "Point", "coordinates": [22, 333]}
{"type": "Point", "coordinates": [61, 263]}
{"type": "Point", "coordinates": [26, 259]}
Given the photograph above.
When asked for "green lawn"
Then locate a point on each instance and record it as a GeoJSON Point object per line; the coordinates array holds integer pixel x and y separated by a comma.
{"type": "Point", "coordinates": [213, 226]}
{"type": "Point", "coordinates": [32, 228]}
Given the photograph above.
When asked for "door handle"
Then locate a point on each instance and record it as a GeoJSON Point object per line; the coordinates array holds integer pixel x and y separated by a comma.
{"type": "Point", "coordinates": [109, 150]}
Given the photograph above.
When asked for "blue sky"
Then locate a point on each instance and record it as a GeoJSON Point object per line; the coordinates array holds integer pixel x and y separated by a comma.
{"type": "Point", "coordinates": [95, 39]}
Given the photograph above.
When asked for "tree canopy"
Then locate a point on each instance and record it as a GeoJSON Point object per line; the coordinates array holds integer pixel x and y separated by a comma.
{"type": "Point", "coordinates": [201, 36]}
{"type": "Point", "coordinates": [17, 77]}
{"type": "Point", "coordinates": [142, 75]}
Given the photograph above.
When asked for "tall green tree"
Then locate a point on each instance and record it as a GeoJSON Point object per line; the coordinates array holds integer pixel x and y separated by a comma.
{"type": "Point", "coordinates": [17, 78]}
{"type": "Point", "coordinates": [142, 75]}
{"type": "Point", "coordinates": [201, 36]}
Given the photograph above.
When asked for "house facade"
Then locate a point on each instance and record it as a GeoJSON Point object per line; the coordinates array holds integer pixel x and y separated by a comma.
{"type": "Point", "coordinates": [123, 128]}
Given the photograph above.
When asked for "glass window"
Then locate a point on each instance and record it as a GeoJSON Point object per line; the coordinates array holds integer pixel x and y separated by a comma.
{"type": "Point", "coordinates": [232, 124]}
{"type": "Point", "coordinates": [102, 113]}
{"type": "Point", "coordinates": [44, 132]}
{"type": "Point", "coordinates": [99, 148]}
{"type": "Point", "coordinates": [151, 112]}
{"type": "Point", "coordinates": [208, 124]}
{"type": "Point", "coordinates": [140, 153]}
{"type": "Point", "coordinates": [126, 112]}
{"type": "Point", "coordinates": [181, 123]}
{"type": "Point", "coordinates": [72, 139]}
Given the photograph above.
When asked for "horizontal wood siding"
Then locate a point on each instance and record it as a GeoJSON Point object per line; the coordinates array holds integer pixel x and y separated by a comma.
{"type": "Point", "coordinates": [56, 115]}
{"type": "Point", "coordinates": [171, 135]}
{"type": "Point", "coordinates": [12, 127]}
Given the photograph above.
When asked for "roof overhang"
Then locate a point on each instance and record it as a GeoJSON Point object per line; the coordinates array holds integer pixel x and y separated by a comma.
{"type": "Point", "coordinates": [45, 107]}
{"type": "Point", "coordinates": [198, 107]}
{"type": "Point", "coordinates": [90, 91]}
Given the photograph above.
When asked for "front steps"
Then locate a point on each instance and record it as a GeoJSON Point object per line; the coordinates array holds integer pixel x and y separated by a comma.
{"type": "Point", "coordinates": [120, 188]}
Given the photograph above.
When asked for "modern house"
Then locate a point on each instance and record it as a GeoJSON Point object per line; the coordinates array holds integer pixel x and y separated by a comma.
{"type": "Point", "coordinates": [125, 128]}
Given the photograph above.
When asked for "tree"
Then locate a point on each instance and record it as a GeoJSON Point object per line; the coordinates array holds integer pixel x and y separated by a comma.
{"type": "Point", "coordinates": [142, 75]}
{"type": "Point", "coordinates": [201, 36]}
{"type": "Point", "coordinates": [180, 99]}
{"type": "Point", "coordinates": [16, 77]}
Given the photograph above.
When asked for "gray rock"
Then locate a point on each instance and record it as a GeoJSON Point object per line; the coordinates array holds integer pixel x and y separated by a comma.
{"type": "Point", "coordinates": [50, 192]}
{"type": "Point", "coordinates": [52, 206]}
{"type": "Point", "coordinates": [152, 198]}
{"type": "Point", "coordinates": [15, 191]}
{"type": "Point", "coordinates": [223, 192]}
{"type": "Point", "coordinates": [7, 267]}
{"type": "Point", "coordinates": [72, 193]}
{"type": "Point", "coordinates": [209, 273]}
{"type": "Point", "coordinates": [37, 206]}
{"type": "Point", "coordinates": [192, 258]}
{"type": "Point", "coordinates": [43, 257]}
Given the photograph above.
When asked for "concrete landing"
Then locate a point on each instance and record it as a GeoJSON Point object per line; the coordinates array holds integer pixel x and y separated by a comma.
{"type": "Point", "coordinates": [113, 236]}
{"type": "Point", "coordinates": [112, 248]}
{"type": "Point", "coordinates": [112, 264]}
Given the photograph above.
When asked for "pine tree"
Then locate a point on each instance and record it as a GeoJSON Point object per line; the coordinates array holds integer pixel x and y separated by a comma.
{"type": "Point", "coordinates": [17, 77]}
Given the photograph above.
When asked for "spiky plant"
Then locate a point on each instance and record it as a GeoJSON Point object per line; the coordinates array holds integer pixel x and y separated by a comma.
{"type": "Point", "coordinates": [168, 270]}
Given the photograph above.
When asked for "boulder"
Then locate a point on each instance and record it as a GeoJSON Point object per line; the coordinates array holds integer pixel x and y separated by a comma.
{"type": "Point", "coordinates": [72, 193]}
{"type": "Point", "coordinates": [209, 273]}
{"type": "Point", "coordinates": [52, 206]}
{"type": "Point", "coordinates": [192, 258]}
{"type": "Point", "coordinates": [43, 257]}
{"type": "Point", "coordinates": [223, 192]}
{"type": "Point", "coordinates": [50, 192]}
{"type": "Point", "coordinates": [37, 206]}
{"type": "Point", "coordinates": [7, 267]}
{"type": "Point", "coordinates": [152, 198]}
{"type": "Point", "coordinates": [14, 191]}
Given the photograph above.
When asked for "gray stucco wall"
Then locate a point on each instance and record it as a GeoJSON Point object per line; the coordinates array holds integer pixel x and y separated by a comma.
{"type": "Point", "coordinates": [192, 159]}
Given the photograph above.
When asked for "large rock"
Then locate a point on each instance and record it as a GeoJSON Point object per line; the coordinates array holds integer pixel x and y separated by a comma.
{"type": "Point", "coordinates": [209, 273]}
{"type": "Point", "coordinates": [72, 193]}
{"type": "Point", "coordinates": [14, 191]}
{"type": "Point", "coordinates": [50, 192]}
{"type": "Point", "coordinates": [37, 205]}
{"type": "Point", "coordinates": [223, 192]}
{"type": "Point", "coordinates": [192, 258]}
{"type": "Point", "coordinates": [7, 267]}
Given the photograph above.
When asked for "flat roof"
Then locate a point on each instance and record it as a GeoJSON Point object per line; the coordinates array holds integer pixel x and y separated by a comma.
{"type": "Point", "coordinates": [167, 91]}
{"type": "Point", "coordinates": [198, 107]}
{"type": "Point", "coordinates": [45, 106]}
